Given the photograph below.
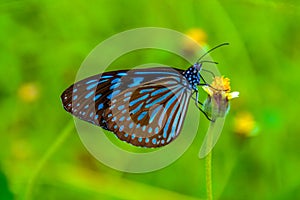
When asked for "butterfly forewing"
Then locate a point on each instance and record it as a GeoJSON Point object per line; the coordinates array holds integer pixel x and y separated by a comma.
{"type": "Point", "coordinates": [88, 98]}
{"type": "Point", "coordinates": [144, 107]}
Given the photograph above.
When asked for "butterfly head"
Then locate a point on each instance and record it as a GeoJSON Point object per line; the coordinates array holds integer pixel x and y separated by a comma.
{"type": "Point", "coordinates": [198, 66]}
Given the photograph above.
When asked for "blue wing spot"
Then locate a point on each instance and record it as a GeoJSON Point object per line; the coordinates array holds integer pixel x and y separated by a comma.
{"type": "Point", "coordinates": [136, 81]}
{"type": "Point", "coordinates": [137, 108]}
{"type": "Point", "coordinates": [75, 90]}
{"type": "Point", "coordinates": [96, 117]}
{"type": "Point", "coordinates": [138, 126]}
{"type": "Point", "coordinates": [111, 107]}
{"type": "Point", "coordinates": [127, 94]}
{"type": "Point", "coordinates": [86, 106]}
{"type": "Point", "coordinates": [138, 99]}
{"type": "Point", "coordinates": [128, 118]}
{"type": "Point", "coordinates": [100, 106]}
{"type": "Point", "coordinates": [156, 130]}
{"type": "Point", "coordinates": [107, 76]}
{"type": "Point", "coordinates": [154, 141]}
{"type": "Point", "coordinates": [159, 91]}
{"type": "Point", "coordinates": [146, 140]}
{"type": "Point", "coordinates": [171, 82]}
{"type": "Point", "coordinates": [154, 112]}
{"type": "Point", "coordinates": [140, 139]}
{"type": "Point", "coordinates": [115, 80]}
{"type": "Point", "coordinates": [75, 97]}
{"type": "Point", "coordinates": [96, 97]}
{"type": "Point", "coordinates": [91, 86]}
{"type": "Point", "coordinates": [131, 125]}
{"type": "Point", "coordinates": [126, 134]}
{"type": "Point", "coordinates": [126, 99]}
{"type": "Point", "coordinates": [113, 94]}
{"type": "Point", "coordinates": [146, 90]}
{"type": "Point", "coordinates": [83, 113]}
{"type": "Point", "coordinates": [144, 128]}
{"type": "Point", "coordinates": [115, 126]}
{"type": "Point", "coordinates": [121, 107]}
{"type": "Point", "coordinates": [113, 119]}
{"type": "Point", "coordinates": [148, 100]}
{"type": "Point", "coordinates": [121, 128]}
{"type": "Point", "coordinates": [142, 115]}
{"type": "Point", "coordinates": [150, 130]}
{"type": "Point", "coordinates": [132, 136]}
{"type": "Point", "coordinates": [91, 81]}
{"type": "Point", "coordinates": [89, 94]}
{"type": "Point", "coordinates": [114, 86]}
{"type": "Point", "coordinates": [165, 134]}
{"type": "Point", "coordinates": [122, 119]}
{"type": "Point", "coordinates": [122, 74]}
{"type": "Point", "coordinates": [78, 104]}
{"type": "Point", "coordinates": [124, 111]}
{"type": "Point", "coordinates": [91, 115]}
{"type": "Point", "coordinates": [162, 141]}
{"type": "Point", "coordinates": [109, 115]}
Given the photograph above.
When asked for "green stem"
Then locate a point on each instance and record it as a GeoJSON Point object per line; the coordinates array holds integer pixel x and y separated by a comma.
{"type": "Point", "coordinates": [52, 149]}
{"type": "Point", "coordinates": [208, 176]}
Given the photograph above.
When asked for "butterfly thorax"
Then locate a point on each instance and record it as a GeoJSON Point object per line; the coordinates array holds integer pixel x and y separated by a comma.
{"type": "Point", "coordinates": [193, 76]}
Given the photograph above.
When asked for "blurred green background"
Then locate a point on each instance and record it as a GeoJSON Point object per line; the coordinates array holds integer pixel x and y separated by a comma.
{"type": "Point", "coordinates": [43, 44]}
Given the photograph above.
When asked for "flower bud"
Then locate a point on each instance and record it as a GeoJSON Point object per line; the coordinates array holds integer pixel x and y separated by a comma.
{"type": "Point", "coordinates": [217, 103]}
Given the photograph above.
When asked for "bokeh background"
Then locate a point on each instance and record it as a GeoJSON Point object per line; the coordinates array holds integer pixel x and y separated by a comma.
{"type": "Point", "coordinates": [42, 45]}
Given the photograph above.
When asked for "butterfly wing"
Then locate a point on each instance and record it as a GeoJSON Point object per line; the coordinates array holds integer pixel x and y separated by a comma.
{"type": "Point", "coordinates": [144, 107]}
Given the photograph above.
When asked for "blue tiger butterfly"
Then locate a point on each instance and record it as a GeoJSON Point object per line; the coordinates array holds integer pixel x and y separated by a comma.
{"type": "Point", "coordinates": [144, 107]}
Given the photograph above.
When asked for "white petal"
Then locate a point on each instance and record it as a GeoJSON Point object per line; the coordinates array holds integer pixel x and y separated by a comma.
{"type": "Point", "coordinates": [233, 95]}
{"type": "Point", "coordinates": [207, 90]}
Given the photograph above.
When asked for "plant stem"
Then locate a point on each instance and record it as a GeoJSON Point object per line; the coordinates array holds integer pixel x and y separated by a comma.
{"type": "Point", "coordinates": [208, 176]}
{"type": "Point", "coordinates": [51, 150]}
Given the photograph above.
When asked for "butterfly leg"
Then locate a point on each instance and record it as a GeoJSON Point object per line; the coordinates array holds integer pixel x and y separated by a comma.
{"type": "Point", "coordinates": [197, 102]}
{"type": "Point", "coordinates": [205, 83]}
{"type": "Point", "coordinates": [196, 99]}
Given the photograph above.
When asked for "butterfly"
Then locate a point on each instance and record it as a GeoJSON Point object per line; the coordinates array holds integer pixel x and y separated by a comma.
{"type": "Point", "coordinates": [144, 107]}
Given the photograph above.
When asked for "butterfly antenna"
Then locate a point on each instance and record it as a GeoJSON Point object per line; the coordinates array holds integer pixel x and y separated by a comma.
{"type": "Point", "coordinates": [213, 75]}
{"type": "Point", "coordinates": [220, 45]}
{"type": "Point", "coordinates": [208, 61]}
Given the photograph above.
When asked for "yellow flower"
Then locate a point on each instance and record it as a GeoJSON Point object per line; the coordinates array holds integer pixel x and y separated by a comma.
{"type": "Point", "coordinates": [189, 46]}
{"type": "Point", "coordinates": [198, 35]}
{"type": "Point", "coordinates": [221, 85]}
{"type": "Point", "coordinates": [219, 94]}
{"type": "Point", "coordinates": [245, 125]}
{"type": "Point", "coordinates": [28, 92]}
